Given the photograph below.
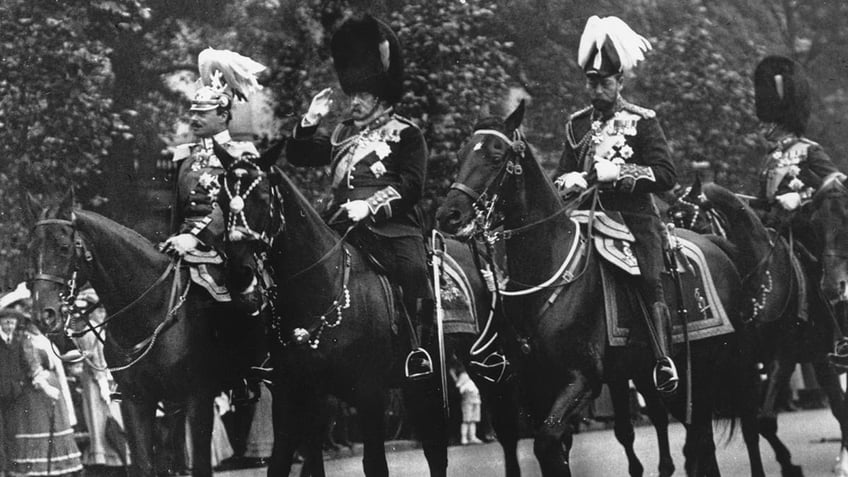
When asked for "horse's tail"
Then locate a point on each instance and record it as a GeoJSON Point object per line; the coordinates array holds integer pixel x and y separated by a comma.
{"type": "Point", "coordinates": [735, 382]}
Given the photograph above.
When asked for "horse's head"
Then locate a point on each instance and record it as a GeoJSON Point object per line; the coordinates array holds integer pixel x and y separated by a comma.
{"type": "Point", "coordinates": [487, 159]}
{"type": "Point", "coordinates": [829, 220]}
{"type": "Point", "coordinates": [55, 252]}
{"type": "Point", "coordinates": [691, 209]}
{"type": "Point", "coordinates": [252, 209]}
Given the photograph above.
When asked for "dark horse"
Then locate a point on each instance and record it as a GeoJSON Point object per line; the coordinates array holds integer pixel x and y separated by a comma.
{"type": "Point", "coordinates": [160, 339]}
{"type": "Point", "coordinates": [560, 319]}
{"type": "Point", "coordinates": [765, 260]}
{"type": "Point", "coordinates": [335, 328]}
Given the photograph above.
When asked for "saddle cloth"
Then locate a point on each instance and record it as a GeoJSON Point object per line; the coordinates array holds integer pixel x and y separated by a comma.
{"type": "Point", "coordinates": [706, 314]}
{"type": "Point", "coordinates": [206, 268]}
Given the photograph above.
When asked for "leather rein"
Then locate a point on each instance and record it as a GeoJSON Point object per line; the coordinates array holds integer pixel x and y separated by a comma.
{"type": "Point", "coordinates": [73, 312]}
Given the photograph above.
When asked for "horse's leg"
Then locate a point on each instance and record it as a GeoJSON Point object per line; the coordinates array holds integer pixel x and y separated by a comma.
{"type": "Point", "coordinates": [780, 370]}
{"type": "Point", "coordinates": [313, 422]}
{"type": "Point", "coordinates": [199, 409]}
{"type": "Point", "coordinates": [829, 381]}
{"type": "Point", "coordinates": [287, 436]}
{"type": "Point", "coordinates": [370, 403]}
{"type": "Point", "coordinates": [504, 404]}
{"type": "Point", "coordinates": [699, 448]}
{"type": "Point", "coordinates": [424, 404]}
{"type": "Point", "coordinates": [138, 421]}
{"type": "Point", "coordinates": [620, 394]}
{"type": "Point", "coordinates": [658, 414]}
{"type": "Point", "coordinates": [553, 437]}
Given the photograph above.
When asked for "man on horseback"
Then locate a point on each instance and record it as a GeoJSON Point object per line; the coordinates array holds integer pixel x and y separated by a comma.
{"type": "Point", "coordinates": [196, 217]}
{"type": "Point", "coordinates": [624, 147]}
{"type": "Point", "coordinates": [795, 167]}
{"type": "Point", "coordinates": [378, 162]}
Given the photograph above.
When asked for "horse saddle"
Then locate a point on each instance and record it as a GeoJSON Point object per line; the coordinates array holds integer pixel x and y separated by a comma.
{"type": "Point", "coordinates": [206, 268]}
{"type": "Point", "coordinates": [459, 312]}
{"type": "Point", "coordinates": [694, 255]}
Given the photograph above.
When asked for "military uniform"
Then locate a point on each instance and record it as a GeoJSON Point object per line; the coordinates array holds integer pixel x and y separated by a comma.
{"type": "Point", "coordinates": [794, 164]}
{"type": "Point", "coordinates": [633, 138]}
{"type": "Point", "coordinates": [385, 164]}
{"type": "Point", "coordinates": [198, 183]}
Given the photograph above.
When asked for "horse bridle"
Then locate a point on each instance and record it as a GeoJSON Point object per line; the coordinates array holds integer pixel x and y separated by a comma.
{"type": "Point", "coordinates": [237, 225]}
{"type": "Point", "coordinates": [74, 312]}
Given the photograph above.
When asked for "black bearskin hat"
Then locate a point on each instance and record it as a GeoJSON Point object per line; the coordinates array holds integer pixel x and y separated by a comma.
{"type": "Point", "coordinates": [782, 93]}
{"type": "Point", "coordinates": [367, 58]}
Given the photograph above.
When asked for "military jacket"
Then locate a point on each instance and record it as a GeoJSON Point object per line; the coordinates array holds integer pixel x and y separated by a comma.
{"type": "Point", "coordinates": [384, 163]}
{"type": "Point", "coordinates": [631, 137]}
{"type": "Point", "coordinates": [198, 183]}
{"type": "Point", "coordinates": [795, 164]}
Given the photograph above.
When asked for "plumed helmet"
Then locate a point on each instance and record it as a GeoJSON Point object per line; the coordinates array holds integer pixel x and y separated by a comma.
{"type": "Point", "coordinates": [608, 46]}
{"type": "Point", "coordinates": [782, 93]}
{"type": "Point", "coordinates": [367, 58]}
{"type": "Point", "coordinates": [224, 75]}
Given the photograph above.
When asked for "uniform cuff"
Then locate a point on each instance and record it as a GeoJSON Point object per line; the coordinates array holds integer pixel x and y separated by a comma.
{"type": "Point", "coordinates": [381, 200]}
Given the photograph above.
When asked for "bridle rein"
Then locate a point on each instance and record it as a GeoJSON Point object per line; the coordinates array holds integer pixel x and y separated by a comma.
{"type": "Point", "coordinates": [72, 312]}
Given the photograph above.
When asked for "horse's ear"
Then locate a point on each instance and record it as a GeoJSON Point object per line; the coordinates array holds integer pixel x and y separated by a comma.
{"type": "Point", "coordinates": [226, 159]}
{"type": "Point", "coordinates": [513, 121]}
{"type": "Point", "coordinates": [695, 189]}
{"type": "Point", "coordinates": [66, 205]}
{"type": "Point", "coordinates": [31, 207]}
{"type": "Point", "coordinates": [270, 156]}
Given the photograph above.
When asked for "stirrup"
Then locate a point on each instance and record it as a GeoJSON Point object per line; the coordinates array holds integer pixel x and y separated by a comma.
{"type": "Point", "coordinates": [666, 366]}
{"type": "Point", "coordinates": [418, 365]}
{"type": "Point", "coordinates": [492, 368]}
{"type": "Point", "coordinates": [839, 357]}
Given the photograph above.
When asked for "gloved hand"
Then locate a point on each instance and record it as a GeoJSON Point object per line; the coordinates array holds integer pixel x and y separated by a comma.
{"type": "Point", "coordinates": [181, 244]}
{"type": "Point", "coordinates": [105, 390]}
{"type": "Point", "coordinates": [51, 391]}
{"type": "Point", "coordinates": [319, 108]}
{"type": "Point", "coordinates": [607, 171]}
{"type": "Point", "coordinates": [570, 182]}
{"type": "Point", "coordinates": [356, 210]}
{"type": "Point", "coordinates": [789, 201]}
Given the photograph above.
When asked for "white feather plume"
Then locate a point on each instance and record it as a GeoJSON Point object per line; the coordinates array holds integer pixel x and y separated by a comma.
{"type": "Point", "coordinates": [629, 45]}
{"type": "Point", "coordinates": [237, 72]}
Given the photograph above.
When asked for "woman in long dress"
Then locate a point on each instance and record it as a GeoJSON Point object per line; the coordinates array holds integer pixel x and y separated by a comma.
{"type": "Point", "coordinates": [99, 412]}
{"type": "Point", "coordinates": [43, 435]}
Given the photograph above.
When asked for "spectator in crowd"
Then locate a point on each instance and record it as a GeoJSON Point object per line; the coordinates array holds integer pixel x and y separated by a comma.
{"type": "Point", "coordinates": [470, 404]}
{"type": "Point", "coordinates": [11, 379]}
{"type": "Point", "coordinates": [96, 383]}
{"type": "Point", "coordinates": [43, 415]}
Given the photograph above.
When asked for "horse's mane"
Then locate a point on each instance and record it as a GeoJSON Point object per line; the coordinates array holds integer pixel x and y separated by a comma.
{"type": "Point", "coordinates": [106, 231]}
{"type": "Point", "coordinates": [741, 219]}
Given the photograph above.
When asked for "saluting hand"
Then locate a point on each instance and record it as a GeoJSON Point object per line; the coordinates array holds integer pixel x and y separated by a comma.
{"type": "Point", "coordinates": [319, 108]}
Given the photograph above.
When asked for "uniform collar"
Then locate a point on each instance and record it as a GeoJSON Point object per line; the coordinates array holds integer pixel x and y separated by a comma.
{"type": "Point", "coordinates": [376, 122]}
{"type": "Point", "coordinates": [222, 137]}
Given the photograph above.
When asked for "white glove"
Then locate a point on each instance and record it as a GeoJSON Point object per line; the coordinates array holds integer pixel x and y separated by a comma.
{"type": "Point", "coordinates": [571, 181]}
{"type": "Point", "coordinates": [52, 392]}
{"type": "Point", "coordinates": [607, 171]}
{"type": "Point", "coordinates": [789, 201]}
{"type": "Point", "coordinates": [105, 390]}
{"type": "Point", "coordinates": [356, 210]}
{"type": "Point", "coordinates": [182, 244]}
{"type": "Point", "coordinates": [319, 108]}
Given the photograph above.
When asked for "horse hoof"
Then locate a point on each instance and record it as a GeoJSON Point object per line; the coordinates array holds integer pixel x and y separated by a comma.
{"type": "Point", "coordinates": [792, 471]}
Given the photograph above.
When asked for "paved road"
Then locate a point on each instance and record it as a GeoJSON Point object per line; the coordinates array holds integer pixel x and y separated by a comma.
{"type": "Point", "coordinates": [810, 435]}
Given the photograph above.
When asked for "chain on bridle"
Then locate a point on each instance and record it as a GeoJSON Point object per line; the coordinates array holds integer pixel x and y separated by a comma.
{"type": "Point", "coordinates": [237, 224]}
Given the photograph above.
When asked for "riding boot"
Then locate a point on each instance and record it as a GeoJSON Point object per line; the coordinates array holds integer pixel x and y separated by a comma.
{"type": "Point", "coordinates": [419, 363]}
{"type": "Point", "coordinates": [665, 372]}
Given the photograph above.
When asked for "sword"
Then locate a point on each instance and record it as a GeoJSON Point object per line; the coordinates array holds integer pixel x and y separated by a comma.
{"type": "Point", "coordinates": [438, 244]}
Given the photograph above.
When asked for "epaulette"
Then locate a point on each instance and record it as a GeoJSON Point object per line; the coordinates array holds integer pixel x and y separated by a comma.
{"type": "Point", "coordinates": [240, 148]}
{"type": "Point", "coordinates": [582, 112]}
{"type": "Point", "coordinates": [809, 142]}
{"type": "Point", "coordinates": [400, 123]}
{"type": "Point", "coordinates": [644, 112]}
{"type": "Point", "coordinates": [182, 151]}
